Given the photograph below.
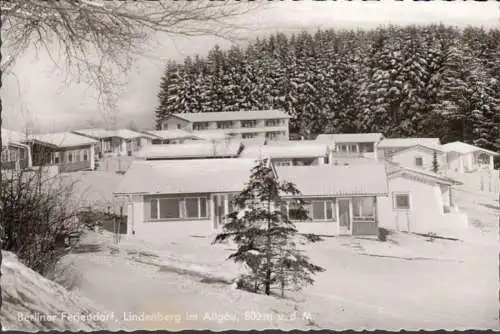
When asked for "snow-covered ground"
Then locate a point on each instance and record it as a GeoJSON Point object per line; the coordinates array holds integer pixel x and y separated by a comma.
{"type": "Point", "coordinates": [411, 282]}
{"type": "Point", "coordinates": [181, 281]}
{"type": "Point", "coordinates": [33, 303]}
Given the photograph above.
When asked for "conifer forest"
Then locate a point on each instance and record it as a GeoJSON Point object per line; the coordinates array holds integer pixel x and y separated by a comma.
{"type": "Point", "coordinates": [413, 81]}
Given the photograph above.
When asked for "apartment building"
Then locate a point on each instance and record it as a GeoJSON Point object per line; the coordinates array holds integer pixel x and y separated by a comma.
{"type": "Point", "coordinates": [271, 125]}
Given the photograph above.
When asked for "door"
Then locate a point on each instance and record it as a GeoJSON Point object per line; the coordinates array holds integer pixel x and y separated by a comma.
{"type": "Point", "coordinates": [344, 215]}
{"type": "Point", "coordinates": [219, 210]}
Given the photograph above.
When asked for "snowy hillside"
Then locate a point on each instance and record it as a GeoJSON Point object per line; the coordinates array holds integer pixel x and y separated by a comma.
{"type": "Point", "coordinates": [33, 303]}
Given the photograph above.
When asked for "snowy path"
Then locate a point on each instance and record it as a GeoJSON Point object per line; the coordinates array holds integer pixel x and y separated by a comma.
{"type": "Point", "coordinates": [357, 291]}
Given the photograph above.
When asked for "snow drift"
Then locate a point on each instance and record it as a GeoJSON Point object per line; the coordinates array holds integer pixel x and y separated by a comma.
{"type": "Point", "coordinates": [33, 303]}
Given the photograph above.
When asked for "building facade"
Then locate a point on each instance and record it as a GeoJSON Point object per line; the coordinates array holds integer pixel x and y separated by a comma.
{"type": "Point", "coordinates": [270, 125]}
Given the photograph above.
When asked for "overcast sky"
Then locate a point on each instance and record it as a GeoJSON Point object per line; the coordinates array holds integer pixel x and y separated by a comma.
{"type": "Point", "coordinates": [38, 92]}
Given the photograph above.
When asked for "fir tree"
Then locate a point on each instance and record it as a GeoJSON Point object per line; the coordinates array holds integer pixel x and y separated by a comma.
{"type": "Point", "coordinates": [265, 236]}
{"type": "Point", "coordinates": [435, 164]}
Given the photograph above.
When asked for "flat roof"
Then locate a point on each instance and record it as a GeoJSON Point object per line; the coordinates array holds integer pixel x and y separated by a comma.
{"type": "Point", "coordinates": [232, 115]}
{"type": "Point", "coordinates": [337, 181]}
{"type": "Point", "coordinates": [186, 176]}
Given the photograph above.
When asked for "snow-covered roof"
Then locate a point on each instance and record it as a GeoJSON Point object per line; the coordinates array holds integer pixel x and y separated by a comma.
{"type": "Point", "coordinates": [170, 134]}
{"type": "Point", "coordinates": [350, 137]}
{"type": "Point", "coordinates": [129, 134]}
{"type": "Point", "coordinates": [94, 189]}
{"type": "Point", "coordinates": [408, 142]}
{"type": "Point", "coordinates": [211, 135]}
{"type": "Point", "coordinates": [231, 115]}
{"type": "Point", "coordinates": [62, 139]}
{"type": "Point", "coordinates": [330, 180]}
{"type": "Point", "coordinates": [465, 148]}
{"type": "Point", "coordinates": [99, 133]}
{"type": "Point", "coordinates": [394, 169]}
{"type": "Point", "coordinates": [202, 149]}
{"type": "Point", "coordinates": [438, 149]}
{"type": "Point", "coordinates": [10, 136]}
{"type": "Point", "coordinates": [298, 150]}
{"type": "Point", "coordinates": [186, 176]}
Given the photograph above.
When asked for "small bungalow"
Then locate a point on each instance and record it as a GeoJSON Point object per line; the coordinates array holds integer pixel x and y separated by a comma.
{"type": "Point", "coordinates": [117, 142]}
{"type": "Point", "coordinates": [420, 156]}
{"type": "Point", "coordinates": [194, 150]}
{"type": "Point", "coordinates": [185, 195]}
{"type": "Point", "coordinates": [388, 146]}
{"type": "Point", "coordinates": [352, 144]}
{"type": "Point", "coordinates": [15, 154]}
{"type": "Point", "coordinates": [68, 151]}
{"type": "Point", "coordinates": [289, 153]}
{"type": "Point", "coordinates": [463, 157]}
{"type": "Point", "coordinates": [420, 201]}
{"type": "Point", "coordinates": [342, 200]}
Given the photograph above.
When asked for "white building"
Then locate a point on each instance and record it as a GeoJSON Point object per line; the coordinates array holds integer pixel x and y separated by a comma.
{"type": "Point", "coordinates": [388, 146]}
{"type": "Point", "coordinates": [267, 124]}
{"type": "Point", "coordinates": [352, 144]}
{"type": "Point", "coordinates": [421, 202]}
{"type": "Point", "coordinates": [463, 157]}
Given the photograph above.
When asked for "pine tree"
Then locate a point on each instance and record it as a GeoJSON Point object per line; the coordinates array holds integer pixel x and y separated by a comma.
{"type": "Point", "coordinates": [265, 236]}
{"type": "Point", "coordinates": [435, 164]}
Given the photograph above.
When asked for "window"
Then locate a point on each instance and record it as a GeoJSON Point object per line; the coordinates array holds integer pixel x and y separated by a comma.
{"type": "Point", "coordinates": [200, 126]}
{"type": "Point", "coordinates": [224, 125]}
{"type": "Point", "coordinates": [154, 209]}
{"type": "Point", "coordinates": [196, 207]}
{"type": "Point", "coordinates": [85, 155]}
{"type": "Point", "coordinates": [402, 201]}
{"type": "Point", "coordinates": [366, 147]}
{"type": "Point", "coordinates": [363, 207]}
{"type": "Point", "coordinates": [169, 208]}
{"type": "Point", "coordinates": [483, 159]}
{"type": "Point", "coordinates": [56, 157]}
{"type": "Point", "coordinates": [293, 213]}
{"type": "Point", "coordinates": [343, 148]}
{"type": "Point", "coordinates": [5, 155]}
{"type": "Point", "coordinates": [70, 156]}
{"type": "Point", "coordinates": [249, 124]}
{"type": "Point", "coordinates": [272, 135]}
{"type": "Point", "coordinates": [419, 161]}
{"type": "Point", "coordinates": [353, 148]}
{"type": "Point", "coordinates": [283, 163]}
{"type": "Point", "coordinates": [179, 126]}
{"type": "Point", "coordinates": [248, 135]}
{"type": "Point", "coordinates": [317, 210]}
{"type": "Point", "coordinates": [273, 122]}
{"type": "Point", "coordinates": [12, 155]}
{"type": "Point", "coordinates": [230, 201]}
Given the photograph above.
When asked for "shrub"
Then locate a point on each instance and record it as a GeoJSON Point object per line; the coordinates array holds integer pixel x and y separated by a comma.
{"type": "Point", "coordinates": [37, 217]}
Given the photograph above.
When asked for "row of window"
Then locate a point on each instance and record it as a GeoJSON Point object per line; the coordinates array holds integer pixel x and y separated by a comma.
{"type": "Point", "coordinates": [356, 148]}
{"type": "Point", "coordinates": [362, 208]}
{"type": "Point", "coordinates": [70, 156]}
{"type": "Point", "coordinates": [13, 155]}
{"type": "Point", "coordinates": [198, 126]}
{"type": "Point", "coordinates": [176, 208]}
{"type": "Point", "coordinates": [318, 210]}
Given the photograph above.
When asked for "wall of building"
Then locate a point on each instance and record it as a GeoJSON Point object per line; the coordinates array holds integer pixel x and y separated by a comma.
{"type": "Point", "coordinates": [426, 212]}
{"type": "Point", "coordinates": [407, 158]}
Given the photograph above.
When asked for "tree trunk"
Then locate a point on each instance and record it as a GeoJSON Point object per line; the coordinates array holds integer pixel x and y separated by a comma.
{"type": "Point", "coordinates": [268, 255]}
{"type": "Point", "coordinates": [1, 204]}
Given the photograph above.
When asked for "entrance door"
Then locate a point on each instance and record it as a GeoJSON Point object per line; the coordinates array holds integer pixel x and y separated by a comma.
{"type": "Point", "coordinates": [219, 210]}
{"type": "Point", "coordinates": [344, 215]}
